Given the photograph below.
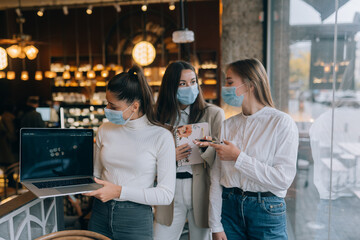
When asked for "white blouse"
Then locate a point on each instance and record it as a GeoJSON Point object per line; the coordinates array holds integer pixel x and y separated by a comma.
{"type": "Point", "coordinates": [268, 141]}
{"type": "Point", "coordinates": [132, 156]}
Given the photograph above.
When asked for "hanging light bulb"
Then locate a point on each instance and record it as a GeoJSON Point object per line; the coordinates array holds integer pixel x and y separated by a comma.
{"type": "Point", "coordinates": [10, 75]}
{"type": "Point", "coordinates": [66, 75]}
{"type": "Point", "coordinates": [13, 51]}
{"type": "Point", "coordinates": [89, 10]}
{"type": "Point", "coordinates": [144, 53]}
{"type": "Point", "coordinates": [98, 67]}
{"type": "Point", "coordinates": [31, 52]}
{"type": "Point", "coordinates": [91, 74]}
{"type": "Point", "coordinates": [38, 75]}
{"type": "Point", "coordinates": [40, 13]}
{"type": "Point", "coordinates": [24, 75]}
{"type": "Point", "coordinates": [144, 7]}
{"type": "Point", "coordinates": [104, 73]}
{"type": "Point", "coordinates": [3, 59]}
{"type": "Point", "coordinates": [2, 74]}
{"type": "Point", "coordinates": [171, 6]}
{"type": "Point", "coordinates": [50, 74]}
{"type": "Point", "coordinates": [78, 75]}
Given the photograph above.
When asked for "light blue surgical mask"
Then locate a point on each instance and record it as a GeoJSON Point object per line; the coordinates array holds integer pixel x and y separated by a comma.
{"type": "Point", "coordinates": [116, 117]}
{"type": "Point", "coordinates": [230, 97]}
{"type": "Point", "coordinates": [187, 95]}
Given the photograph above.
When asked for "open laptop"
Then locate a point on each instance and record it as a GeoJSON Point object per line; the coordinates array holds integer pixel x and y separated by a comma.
{"type": "Point", "coordinates": [45, 113]}
{"type": "Point", "coordinates": [57, 161]}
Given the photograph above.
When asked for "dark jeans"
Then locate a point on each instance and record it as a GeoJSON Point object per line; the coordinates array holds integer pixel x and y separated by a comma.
{"type": "Point", "coordinates": [245, 217]}
{"type": "Point", "coordinates": [122, 220]}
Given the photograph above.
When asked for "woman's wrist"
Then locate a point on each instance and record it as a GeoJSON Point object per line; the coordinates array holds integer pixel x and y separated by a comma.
{"type": "Point", "coordinates": [118, 191]}
{"type": "Point", "coordinates": [236, 154]}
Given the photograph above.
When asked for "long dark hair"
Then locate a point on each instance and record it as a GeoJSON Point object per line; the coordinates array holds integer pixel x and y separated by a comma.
{"type": "Point", "coordinates": [168, 106]}
{"type": "Point", "coordinates": [254, 74]}
{"type": "Point", "coordinates": [131, 86]}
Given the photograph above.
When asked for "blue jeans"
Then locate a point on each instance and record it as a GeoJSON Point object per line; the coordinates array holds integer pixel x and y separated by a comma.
{"type": "Point", "coordinates": [245, 217]}
{"type": "Point", "coordinates": [122, 220]}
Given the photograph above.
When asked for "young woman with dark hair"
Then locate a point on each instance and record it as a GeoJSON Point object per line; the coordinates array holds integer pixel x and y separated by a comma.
{"type": "Point", "coordinates": [131, 150]}
{"type": "Point", "coordinates": [181, 102]}
{"type": "Point", "coordinates": [257, 162]}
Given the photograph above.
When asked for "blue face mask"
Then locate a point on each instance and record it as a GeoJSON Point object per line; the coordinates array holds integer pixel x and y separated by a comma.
{"type": "Point", "coordinates": [230, 97]}
{"type": "Point", "coordinates": [187, 95]}
{"type": "Point", "coordinates": [116, 117]}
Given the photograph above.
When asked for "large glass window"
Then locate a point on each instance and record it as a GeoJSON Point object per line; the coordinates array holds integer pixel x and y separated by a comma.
{"type": "Point", "coordinates": [314, 68]}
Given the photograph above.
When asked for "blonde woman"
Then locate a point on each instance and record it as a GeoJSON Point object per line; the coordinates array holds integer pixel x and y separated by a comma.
{"type": "Point", "coordinates": [256, 163]}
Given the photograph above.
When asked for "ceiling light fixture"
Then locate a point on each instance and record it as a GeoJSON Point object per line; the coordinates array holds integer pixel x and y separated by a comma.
{"type": "Point", "coordinates": [40, 13]}
{"type": "Point", "coordinates": [3, 59]}
{"type": "Point", "coordinates": [66, 75]}
{"type": "Point", "coordinates": [144, 53]}
{"type": "Point", "coordinates": [38, 75]}
{"type": "Point", "coordinates": [184, 35]}
{"type": "Point", "coordinates": [89, 10]}
{"type": "Point", "coordinates": [91, 74]}
{"type": "Point", "coordinates": [144, 7]}
{"type": "Point", "coordinates": [78, 75]}
{"type": "Point", "coordinates": [104, 73]}
{"type": "Point", "coordinates": [14, 51]}
{"type": "Point", "coordinates": [10, 75]}
{"type": "Point", "coordinates": [50, 74]}
{"type": "Point", "coordinates": [24, 75]}
{"type": "Point", "coordinates": [171, 6]}
{"type": "Point", "coordinates": [31, 52]}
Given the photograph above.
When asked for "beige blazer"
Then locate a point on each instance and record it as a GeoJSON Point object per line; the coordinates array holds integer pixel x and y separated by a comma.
{"type": "Point", "coordinates": [201, 176]}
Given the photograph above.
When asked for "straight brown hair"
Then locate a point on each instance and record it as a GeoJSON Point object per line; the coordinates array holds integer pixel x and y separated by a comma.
{"type": "Point", "coordinates": [168, 106]}
{"type": "Point", "coordinates": [254, 75]}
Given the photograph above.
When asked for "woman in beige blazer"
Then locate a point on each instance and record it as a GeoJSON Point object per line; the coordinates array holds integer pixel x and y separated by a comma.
{"type": "Point", "coordinates": [181, 102]}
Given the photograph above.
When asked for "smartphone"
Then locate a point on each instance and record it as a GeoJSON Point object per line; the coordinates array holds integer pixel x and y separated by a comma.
{"type": "Point", "coordinates": [204, 140]}
{"type": "Point", "coordinates": [210, 141]}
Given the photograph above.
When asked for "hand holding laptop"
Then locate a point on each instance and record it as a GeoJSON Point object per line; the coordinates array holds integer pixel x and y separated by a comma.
{"type": "Point", "coordinates": [108, 192]}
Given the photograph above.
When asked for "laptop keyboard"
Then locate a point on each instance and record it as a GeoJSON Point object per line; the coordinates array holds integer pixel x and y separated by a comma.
{"type": "Point", "coordinates": [60, 183]}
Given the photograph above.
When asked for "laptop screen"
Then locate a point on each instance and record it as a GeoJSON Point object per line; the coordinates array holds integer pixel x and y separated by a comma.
{"type": "Point", "coordinates": [45, 113]}
{"type": "Point", "coordinates": [56, 152]}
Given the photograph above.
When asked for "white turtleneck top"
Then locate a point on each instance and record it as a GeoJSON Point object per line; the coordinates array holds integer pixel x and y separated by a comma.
{"type": "Point", "coordinates": [132, 155]}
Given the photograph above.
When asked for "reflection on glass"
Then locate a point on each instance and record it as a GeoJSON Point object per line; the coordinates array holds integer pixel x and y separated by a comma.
{"type": "Point", "coordinates": [326, 203]}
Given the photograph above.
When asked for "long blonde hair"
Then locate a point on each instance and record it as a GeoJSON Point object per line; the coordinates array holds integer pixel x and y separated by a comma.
{"type": "Point", "coordinates": [253, 74]}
